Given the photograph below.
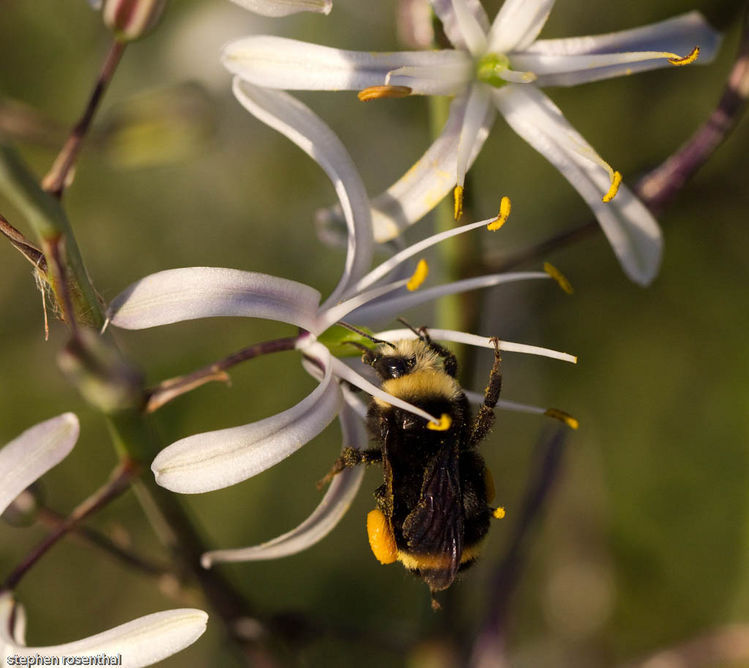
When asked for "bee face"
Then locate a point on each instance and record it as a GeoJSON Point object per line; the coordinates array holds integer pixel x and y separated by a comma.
{"type": "Point", "coordinates": [402, 358]}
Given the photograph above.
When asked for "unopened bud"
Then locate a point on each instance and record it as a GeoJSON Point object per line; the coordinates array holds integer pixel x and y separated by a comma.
{"type": "Point", "coordinates": [131, 19]}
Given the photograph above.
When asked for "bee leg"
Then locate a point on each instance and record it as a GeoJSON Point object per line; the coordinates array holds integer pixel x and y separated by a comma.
{"type": "Point", "coordinates": [349, 458]}
{"type": "Point", "coordinates": [484, 419]}
{"type": "Point", "coordinates": [449, 361]}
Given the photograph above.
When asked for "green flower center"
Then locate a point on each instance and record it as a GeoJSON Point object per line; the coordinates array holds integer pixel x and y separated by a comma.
{"type": "Point", "coordinates": [490, 68]}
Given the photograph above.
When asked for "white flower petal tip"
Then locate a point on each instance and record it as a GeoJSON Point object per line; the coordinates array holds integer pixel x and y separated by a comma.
{"type": "Point", "coordinates": [175, 295]}
{"type": "Point", "coordinates": [285, 7]}
{"type": "Point", "coordinates": [30, 455]}
{"type": "Point", "coordinates": [218, 459]}
{"type": "Point", "coordinates": [141, 642]}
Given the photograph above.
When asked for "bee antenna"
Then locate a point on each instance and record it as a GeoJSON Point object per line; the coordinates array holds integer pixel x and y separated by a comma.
{"type": "Point", "coordinates": [361, 332]}
{"type": "Point", "coordinates": [421, 333]}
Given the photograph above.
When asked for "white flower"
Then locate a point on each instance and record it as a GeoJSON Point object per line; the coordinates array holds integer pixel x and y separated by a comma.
{"type": "Point", "coordinates": [285, 7]}
{"type": "Point", "coordinates": [141, 642]}
{"type": "Point", "coordinates": [498, 67]}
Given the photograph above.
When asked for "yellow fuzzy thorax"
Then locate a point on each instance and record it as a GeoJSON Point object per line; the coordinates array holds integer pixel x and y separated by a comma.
{"type": "Point", "coordinates": [420, 385]}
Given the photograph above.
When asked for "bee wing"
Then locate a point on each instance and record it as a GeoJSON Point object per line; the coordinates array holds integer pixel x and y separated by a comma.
{"type": "Point", "coordinates": [435, 526]}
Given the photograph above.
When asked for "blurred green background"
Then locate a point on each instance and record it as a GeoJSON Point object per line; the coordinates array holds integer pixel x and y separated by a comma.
{"type": "Point", "coordinates": [643, 545]}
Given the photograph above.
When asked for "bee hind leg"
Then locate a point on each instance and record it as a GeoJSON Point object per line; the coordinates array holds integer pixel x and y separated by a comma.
{"type": "Point", "coordinates": [349, 458]}
{"type": "Point", "coordinates": [484, 419]}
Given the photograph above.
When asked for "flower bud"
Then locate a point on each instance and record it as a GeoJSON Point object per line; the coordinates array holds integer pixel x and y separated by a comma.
{"type": "Point", "coordinates": [131, 19]}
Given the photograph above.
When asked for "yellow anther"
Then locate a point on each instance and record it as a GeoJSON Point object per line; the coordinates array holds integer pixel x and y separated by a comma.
{"type": "Point", "coordinates": [458, 197]}
{"type": "Point", "coordinates": [419, 276]}
{"type": "Point", "coordinates": [555, 413]}
{"type": "Point", "coordinates": [443, 424]}
{"type": "Point", "coordinates": [379, 92]}
{"type": "Point", "coordinates": [499, 513]}
{"type": "Point", "coordinates": [616, 180]}
{"type": "Point", "coordinates": [504, 213]}
{"type": "Point", "coordinates": [559, 277]}
{"type": "Point", "coordinates": [381, 538]}
{"type": "Point", "coordinates": [686, 60]}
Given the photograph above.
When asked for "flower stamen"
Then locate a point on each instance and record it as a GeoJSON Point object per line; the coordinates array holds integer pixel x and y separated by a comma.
{"type": "Point", "coordinates": [559, 277]}
{"type": "Point", "coordinates": [555, 413]}
{"type": "Point", "coordinates": [458, 197]}
{"type": "Point", "coordinates": [379, 92]}
{"type": "Point", "coordinates": [418, 277]}
{"type": "Point", "coordinates": [499, 513]}
{"type": "Point", "coordinates": [505, 207]}
{"type": "Point", "coordinates": [443, 424]}
{"type": "Point", "coordinates": [616, 180]}
{"type": "Point", "coordinates": [685, 60]}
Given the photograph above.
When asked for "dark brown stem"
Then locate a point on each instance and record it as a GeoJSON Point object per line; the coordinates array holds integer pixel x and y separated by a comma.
{"type": "Point", "coordinates": [55, 520]}
{"type": "Point", "coordinates": [56, 180]}
{"type": "Point", "coordinates": [660, 186]}
{"type": "Point", "coordinates": [119, 482]}
{"type": "Point", "coordinates": [167, 390]}
{"type": "Point", "coordinates": [23, 245]}
{"type": "Point", "coordinates": [490, 640]}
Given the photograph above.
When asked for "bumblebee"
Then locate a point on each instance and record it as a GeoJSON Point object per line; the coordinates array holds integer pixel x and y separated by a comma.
{"type": "Point", "coordinates": [433, 508]}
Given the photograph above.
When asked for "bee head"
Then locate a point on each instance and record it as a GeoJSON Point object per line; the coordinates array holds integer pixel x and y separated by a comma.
{"type": "Point", "coordinates": [402, 358]}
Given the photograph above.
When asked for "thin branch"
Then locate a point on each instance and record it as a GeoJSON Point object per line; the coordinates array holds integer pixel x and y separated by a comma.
{"type": "Point", "coordinates": [23, 245]}
{"type": "Point", "coordinates": [490, 639]}
{"type": "Point", "coordinates": [118, 483]}
{"type": "Point", "coordinates": [56, 179]}
{"type": "Point", "coordinates": [170, 389]}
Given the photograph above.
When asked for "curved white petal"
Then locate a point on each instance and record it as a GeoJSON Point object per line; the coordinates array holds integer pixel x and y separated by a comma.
{"type": "Point", "coordinates": [175, 295]}
{"type": "Point", "coordinates": [446, 73]}
{"type": "Point", "coordinates": [423, 186]}
{"type": "Point", "coordinates": [141, 642]}
{"type": "Point", "coordinates": [398, 303]}
{"type": "Point", "coordinates": [567, 62]}
{"type": "Point", "coordinates": [472, 33]}
{"type": "Point", "coordinates": [33, 453]}
{"type": "Point", "coordinates": [217, 459]}
{"type": "Point", "coordinates": [480, 341]}
{"type": "Point", "coordinates": [297, 122]}
{"type": "Point", "coordinates": [338, 497]}
{"type": "Point", "coordinates": [279, 62]}
{"type": "Point", "coordinates": [477, 109]}
{"type": "Point", "coordinates": [630, 228]}
{"type": "Point", "coordinates": [517, 24]}
{"type": "Point", "coordinates": [285, 7]}
{"type": "Point", "coordinates": [446, 14]}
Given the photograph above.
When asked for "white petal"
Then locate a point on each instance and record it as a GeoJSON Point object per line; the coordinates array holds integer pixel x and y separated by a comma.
{"type": "Point", "coordinates": [480, 341]}
{"type": "Point", "coordinates": [175, 295]}
{"type": "Point", "coordinates": [217, 459]}
{"type": "Point", "coordinates": [446, 14]}
{"type": "Point", "coordinates": [141, 642]}
{"type": "Point", "coordinates": [446, 73]}
{"type": "Point", "coordinates": [517, 24]}
{"type": "Point", "coordinates": [423, 186]}
{"type": "Point", "coordinates": [390, 306]}
{"type": "Point", "coordinates": [285, 7]}
{"type": "Point", "coordinates": [473, 34]}
{"type": "Point", "coordinates": [278, 62]}
{"type": "Point", "coordinates": [33, 453]}
{"type": "Point", "coordinates": [630, 228]}
{"type": "Point", "coordinates": [297, 122]}
{"type": "Point", "coordinates": [477, 109]}
{"type": "Point", "coordinates": [323, 520]}
{"type": "Point", "coordinates": [567, 62]}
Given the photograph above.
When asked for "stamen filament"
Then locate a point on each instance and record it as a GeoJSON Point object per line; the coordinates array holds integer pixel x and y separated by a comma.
{"type": "Point", "coordinates": [380, 92]}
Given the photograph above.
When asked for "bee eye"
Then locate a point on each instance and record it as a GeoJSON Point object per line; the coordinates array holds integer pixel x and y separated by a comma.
{"type": "Point", "coordinates": [392, 367]}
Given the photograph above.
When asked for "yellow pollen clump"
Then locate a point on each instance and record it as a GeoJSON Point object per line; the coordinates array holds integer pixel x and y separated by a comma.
{"type": "Point", "coordinates": [379, 92]}
{"type": "Point", "coordinates": [499, 513]}
{"type": "Point", "coordinates": [559, 277]}
{"type": "Point", "coordinates": [686, 60]}
{"type": "Point", "coordinates": [381, 538]}
{"type": "Point", "coordinates": [555, 413]}
{"type": "Point", "coordinates": [443, 425]}
{"type": "Point", "coordinates": [419, 276]}
{"type": "Point", "coordinates": [616, 180]}
{"type": "Point", "coordinates": [458, 197]}
{"type": "Point", "coordinates": [504, 213]}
